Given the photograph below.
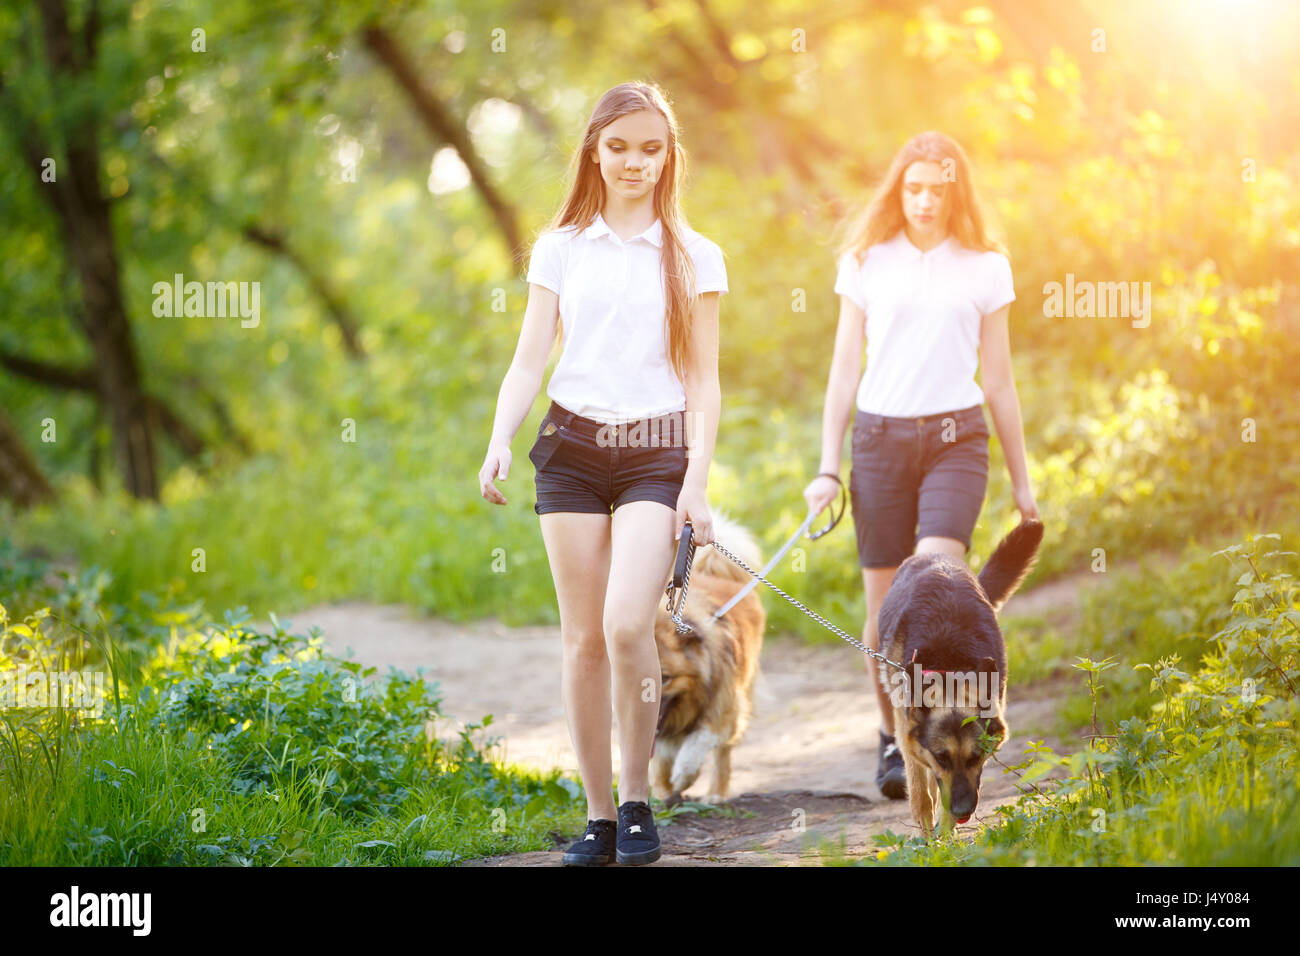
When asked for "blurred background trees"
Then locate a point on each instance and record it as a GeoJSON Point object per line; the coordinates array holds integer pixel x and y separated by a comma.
{"type": "Point", "coordinates": [381, 169]}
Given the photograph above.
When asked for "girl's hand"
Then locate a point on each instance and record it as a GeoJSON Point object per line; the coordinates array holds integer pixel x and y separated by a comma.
{"type": "Point", "coordinates": [1025, 502]}
{"type": "Point", "coordinates": [821, 491]}
{"type": "Point", "coordinates": [495, 465]}
{"type": "Point", "coordinates": [692, 507]}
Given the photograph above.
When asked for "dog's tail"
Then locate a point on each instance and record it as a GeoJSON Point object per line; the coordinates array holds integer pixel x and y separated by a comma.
{"type": "Point", "coordinates": [1010, 562]}
{"type": "Point", "coordinates": [735, 538]}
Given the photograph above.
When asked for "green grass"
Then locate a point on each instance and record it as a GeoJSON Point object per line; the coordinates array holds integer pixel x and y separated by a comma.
{"type": "Point", "coordinates": [224, 745]}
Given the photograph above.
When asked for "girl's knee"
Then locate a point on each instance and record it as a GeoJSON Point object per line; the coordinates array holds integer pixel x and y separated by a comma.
{"type": "Point", "coordinates": [627, 638]}
{"type": "Point", "coordinates": [584, 644]}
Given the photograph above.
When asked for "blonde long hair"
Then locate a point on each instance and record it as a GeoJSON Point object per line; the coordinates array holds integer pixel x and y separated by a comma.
{"type": "Point", "coordinates": [586, 197]}
{"type": "Point", "coordinates": [883, 216]}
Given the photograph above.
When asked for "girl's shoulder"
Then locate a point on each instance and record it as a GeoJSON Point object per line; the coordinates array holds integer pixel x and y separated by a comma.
{"type": "Point", "coordinates": [878, 254]}
{"type": "Point", "coordinates": [696, 242]}
{"type": "Point", "coordinates": [987, 258]}
{"type": "Point", "coordinates": [560, 236]}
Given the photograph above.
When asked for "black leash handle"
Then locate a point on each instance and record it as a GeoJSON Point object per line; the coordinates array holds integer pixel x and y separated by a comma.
{"type": "Point", "coordinates": [835, 515]}
{"type": "Point", "coordinates": [685, 555]}
{"type": "Point", "coordinates": [681, 578]}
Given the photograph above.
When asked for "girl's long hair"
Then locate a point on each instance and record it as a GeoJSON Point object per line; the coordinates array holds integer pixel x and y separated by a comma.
{"type": "Point", "coordinates": [587, 194]}
{"type": "Point", "coordinates": [883, 216]}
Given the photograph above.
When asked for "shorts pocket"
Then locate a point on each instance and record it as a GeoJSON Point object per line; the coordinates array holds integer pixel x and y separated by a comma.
{"type": "Point", "coordinates": [867, 437]}
{"type": "Point", "coordinates": [549, 438]}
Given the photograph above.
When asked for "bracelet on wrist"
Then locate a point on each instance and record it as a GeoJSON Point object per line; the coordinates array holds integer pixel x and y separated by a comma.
{"type": "Point", "coordinates": [828, 474]}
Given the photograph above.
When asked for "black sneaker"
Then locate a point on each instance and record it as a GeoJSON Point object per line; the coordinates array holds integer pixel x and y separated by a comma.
{"type": "Point", "coordinates": [638, 840]}
{"type": "Point", "coordinates": [891, 778]}
{"type": "Point", "coordinates": [595, 847]}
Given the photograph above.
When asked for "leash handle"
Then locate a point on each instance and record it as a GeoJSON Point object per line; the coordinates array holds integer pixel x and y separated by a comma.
{"type": "Point", "coordinates": [685, 554]}
{"type": "Point", "coordinates": [676, 591]}
{"type": "Point", "coordinates": [835, 515]}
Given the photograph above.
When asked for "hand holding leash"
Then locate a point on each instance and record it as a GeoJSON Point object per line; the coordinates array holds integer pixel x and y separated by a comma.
{"type": "Point", "coordinates": [686, 555]}
{"type": "Point", "coordinates": [818, 502]}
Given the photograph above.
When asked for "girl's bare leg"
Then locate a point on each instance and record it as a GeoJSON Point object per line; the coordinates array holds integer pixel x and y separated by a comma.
{"type": "Point", "coordinates": [642, 554]}
{"type": "Point", "coordinates": [578, 547]}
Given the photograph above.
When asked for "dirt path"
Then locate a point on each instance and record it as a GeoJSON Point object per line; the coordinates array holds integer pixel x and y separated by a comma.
{"type": "Point", "coordinates": [810, 753]}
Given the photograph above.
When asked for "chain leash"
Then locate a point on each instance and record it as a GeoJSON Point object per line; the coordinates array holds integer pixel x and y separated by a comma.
{"type": "Point", "coordinates": [677, 598]}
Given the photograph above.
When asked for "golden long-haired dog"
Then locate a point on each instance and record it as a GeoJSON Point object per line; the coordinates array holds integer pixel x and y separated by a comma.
{"type": "Point", "coordinates": [708, 675]}
{"type": "Point", "coordinates": [940, 621]}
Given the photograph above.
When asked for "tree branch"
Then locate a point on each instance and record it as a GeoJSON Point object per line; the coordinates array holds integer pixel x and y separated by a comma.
{"type": "Point", "coordinates": [343, 318]}
{"type": "Point", "coordinates": [440, 122]}
{"type": "Point", "coordinates": [84, 379]}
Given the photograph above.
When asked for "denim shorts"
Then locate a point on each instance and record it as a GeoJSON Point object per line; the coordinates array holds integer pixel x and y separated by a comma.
{"type": "Point", "coordinates": [587, 466]}
{"type": "Point", "coordinates": [932, 469]}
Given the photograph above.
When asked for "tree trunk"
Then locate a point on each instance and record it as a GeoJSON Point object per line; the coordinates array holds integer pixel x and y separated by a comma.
{"type": "Point", "coordinates": [86, 379]}
{"type": "Point", "coordinates": [21, 480]}
{"type": "Point", "coordinates": [86, 225]}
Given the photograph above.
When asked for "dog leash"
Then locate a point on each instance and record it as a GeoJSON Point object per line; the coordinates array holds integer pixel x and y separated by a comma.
{"type": "Point", "coordinates": [676, 592]}
{"type": "Point", "coordinates": [767, 569]}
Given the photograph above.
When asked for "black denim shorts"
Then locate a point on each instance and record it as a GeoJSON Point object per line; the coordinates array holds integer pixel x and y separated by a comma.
{"type": "Point", "coordinates": [587, 466]}
{"type": "Point", "coordinates": [916, 477]}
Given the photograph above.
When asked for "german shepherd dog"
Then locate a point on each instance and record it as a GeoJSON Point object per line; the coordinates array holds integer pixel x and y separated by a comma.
{"type": "Point", "coordinates": [708, 675]}
{"type": "Point", "coordinates": [940, 621]}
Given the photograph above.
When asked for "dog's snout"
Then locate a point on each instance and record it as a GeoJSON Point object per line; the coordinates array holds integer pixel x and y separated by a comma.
{"type": "Point", "coordinates": [964, 800]}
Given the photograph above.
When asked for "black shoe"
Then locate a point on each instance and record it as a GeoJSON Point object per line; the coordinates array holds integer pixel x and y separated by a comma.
{"type": "Point", "coordinates": [638, 840]}
{"type": "Point", "coordinates": [891, 778]}
{"type": "Point", "coordinates": [595, 847]}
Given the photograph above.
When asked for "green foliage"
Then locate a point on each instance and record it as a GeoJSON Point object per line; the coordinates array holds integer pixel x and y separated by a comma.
{"type": "Point", "coordinates": [280, 710]}
{"type": "Point", "coordinates": [1086, 170]}
{"type": "Point", "coordinates": [1171, 166]}
{"type": "Point", "coordinates": [227, 745]}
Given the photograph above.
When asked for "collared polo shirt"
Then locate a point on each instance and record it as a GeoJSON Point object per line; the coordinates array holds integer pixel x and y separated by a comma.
{"type": "Point", "coordinates": [923, 317]}
{"type": "Point", "coordinates": [614, 365]}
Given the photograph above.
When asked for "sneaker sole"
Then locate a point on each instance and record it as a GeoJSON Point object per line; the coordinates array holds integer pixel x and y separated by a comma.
{"type": "Point", "coordinates": [585, 859]}
{"type": "Point", "coordinates": [894, 788]}
{"type": "Point", "coordinates": [636, 859]}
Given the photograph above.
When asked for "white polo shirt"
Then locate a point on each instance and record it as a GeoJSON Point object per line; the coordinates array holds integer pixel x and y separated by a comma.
{"type": "Point", "coordinates": [614, 364]}
{"type": "Point", "coordinates": [924, 311]}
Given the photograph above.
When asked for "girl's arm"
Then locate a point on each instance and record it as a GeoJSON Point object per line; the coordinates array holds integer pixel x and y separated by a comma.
{"type": "Point", "coordinates": [842, 384]}
{"type": "Point", "coordinates": [703, 409]}
{"type": "Point", "coordinates": [841, 387]}
{"type": "Point", "coordinates": [520, 385]}
{"type": "Point", "coordinates": [1000, 392]}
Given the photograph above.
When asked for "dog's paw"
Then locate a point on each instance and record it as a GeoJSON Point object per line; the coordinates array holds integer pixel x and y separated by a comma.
{"type": "Point", "coordinates": [673, 799]}
{"type": "Point", "coordinates": [681, 782]}
{"type": "Point", "coordinates": [717, 799]}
